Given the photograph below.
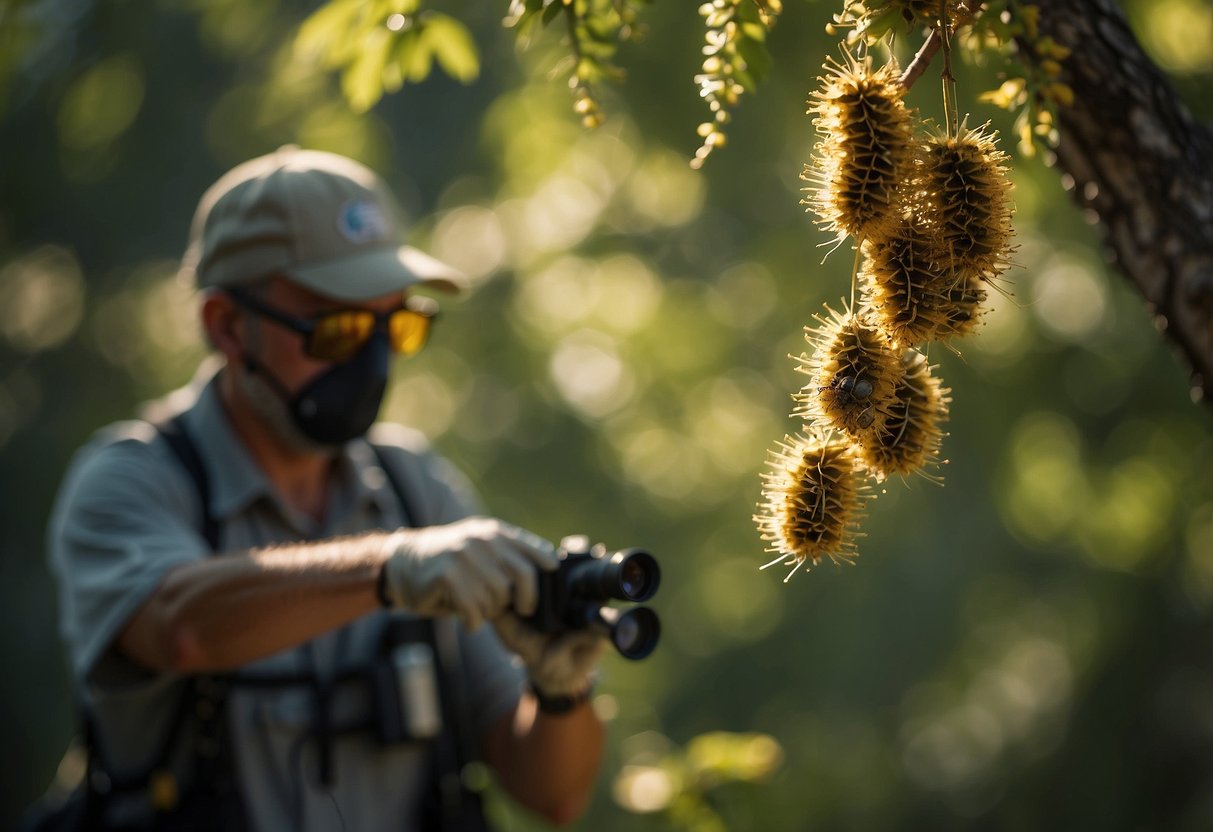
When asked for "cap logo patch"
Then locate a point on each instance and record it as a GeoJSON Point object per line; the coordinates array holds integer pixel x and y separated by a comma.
{"type": "Point", "coordinates": [362, 221]}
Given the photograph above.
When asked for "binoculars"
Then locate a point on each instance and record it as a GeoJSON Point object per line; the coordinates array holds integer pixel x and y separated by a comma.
{"type": "Point", "coordinates": [576, 595]}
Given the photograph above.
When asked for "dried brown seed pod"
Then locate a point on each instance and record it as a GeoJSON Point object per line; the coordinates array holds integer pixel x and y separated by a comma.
{"type": "Point", "coordinates": [915, 293]}
{"type": "Point", "coordinates": [911, 435]}
{"type": "Point", "coordinates": [965, 198]}
{"type": "Point", "coordinates": [853, 371]}
{"type": "Point", "coordinates": [813, 499]}
{"type": "Point", "coordinates": [864, 151]}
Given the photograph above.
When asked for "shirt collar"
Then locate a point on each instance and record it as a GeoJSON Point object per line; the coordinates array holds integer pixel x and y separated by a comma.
{"type": "Point", "coordinates": [236, 481]}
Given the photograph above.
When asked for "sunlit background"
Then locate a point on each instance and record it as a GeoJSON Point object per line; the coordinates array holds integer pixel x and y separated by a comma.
{"type": "Point", "coordinates": [1029, 646]}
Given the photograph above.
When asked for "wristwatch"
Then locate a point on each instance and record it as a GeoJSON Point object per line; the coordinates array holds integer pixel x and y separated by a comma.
{"type": "Point", "coordinates": [559, 704]}
{"type": "Point", "coordinates": [381, 591]}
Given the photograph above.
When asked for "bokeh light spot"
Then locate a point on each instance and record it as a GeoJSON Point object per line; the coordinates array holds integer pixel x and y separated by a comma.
{"type": "Point", "coordinates": [471, 239]}
{"type": "Point", "coordinates": [101, 104]}
{"type": "Point", "coordinates": [41, 299]}
{"type": "Point", "coordinates": [644, 789]}
{"type": "Point", "coordinates": [1069, 300]}
{"type": "Point", "coordinates": [589, 374]}
{"type": "Point", "coordinates": [1178, 34]}
{"type": "Point", "coordinates": [1047, 487]}
{"type": "Point", "coordinates": [738, 601]}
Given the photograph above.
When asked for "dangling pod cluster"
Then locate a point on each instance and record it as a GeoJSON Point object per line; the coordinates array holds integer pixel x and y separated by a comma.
{"type": "Point", "coordinates": [928, 214]}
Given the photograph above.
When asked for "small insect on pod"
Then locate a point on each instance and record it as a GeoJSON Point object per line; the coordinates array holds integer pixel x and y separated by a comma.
{"type": "Point", "coordinates": [854, 368]}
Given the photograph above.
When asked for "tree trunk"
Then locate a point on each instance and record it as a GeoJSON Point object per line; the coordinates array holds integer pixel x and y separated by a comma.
{"type": "Point", "coordinates": [1144, 167]}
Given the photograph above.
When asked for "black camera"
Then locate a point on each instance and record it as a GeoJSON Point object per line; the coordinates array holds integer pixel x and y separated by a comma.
{"type": "Point", "coordinates": [575, 596]}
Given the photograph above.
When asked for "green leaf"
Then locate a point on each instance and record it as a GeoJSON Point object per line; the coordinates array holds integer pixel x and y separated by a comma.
{"type": "Point", "coordinates": [324, 34]}
{"type": "Point", "coordinates": [362, 81]}
{"type": "Point", "coordinates": [393, 75]}
{"type": "Point", "coordinates": [551, 10]}
{"type": "Point", "coordinates": [746, 80]}
{"type": "Point", "coordinates": [524, 25]}
{"type": "Point", "coordinates": [452, 44]}
{"type": "Point", "coordinates": [884, 21]}
{"type": "Point", "coordinates": [602, 29]}
{"type": "Point", "coordinates": [754, 31]}
{"type": "Point", "coordinates": [413, 55]}
{"type": "Point", "coordinates": [757, 58]}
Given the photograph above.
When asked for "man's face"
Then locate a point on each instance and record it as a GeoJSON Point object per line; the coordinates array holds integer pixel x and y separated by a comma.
{"type": "Point", "coordinates": [281, 349]}
{"type": "Point", "coordinates": [281, 366]}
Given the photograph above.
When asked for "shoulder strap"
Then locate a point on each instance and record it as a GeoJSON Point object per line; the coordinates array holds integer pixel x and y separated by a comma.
{"type": "Point", "coordinates": [98, 788]}
{"type": "Point", "coordinates": [175, 434]}
{"type": "Point", "coordinates": [407, 507]}
{"type": "Point", "coordinates": [460, 807]}
{"type": "Point", "coordinates": [204, 697]}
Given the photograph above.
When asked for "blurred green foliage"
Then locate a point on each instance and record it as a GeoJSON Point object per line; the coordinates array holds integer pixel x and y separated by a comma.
{"type": "Point", "coordinates": [1027, 647]}
{"type": "Point", "coordinates": [593, 31]}
{"type": "Point", "coordinates": [379, 46]}
{"type": "Point", "coordinates": [680, 786]}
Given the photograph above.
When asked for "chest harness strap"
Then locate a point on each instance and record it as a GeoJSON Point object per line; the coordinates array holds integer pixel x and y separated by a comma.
{"type": "Point", "coordinates": [203, 705]}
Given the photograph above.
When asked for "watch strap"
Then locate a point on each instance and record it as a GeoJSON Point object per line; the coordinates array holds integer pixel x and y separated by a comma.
{"type": "Point", "coordinates": [549, 704]}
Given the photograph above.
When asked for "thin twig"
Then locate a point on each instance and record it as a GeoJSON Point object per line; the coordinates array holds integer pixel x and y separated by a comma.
{"type": "Point", "coordinates": [921, 60]}
{"type": "Point", "coordinates": [932, 45]}
{"type": "Point", "coordinates": [570, 17]}
{"type": "Point", "coordinates": [950, 105]}
{"type": "Point", "coordinates": [946, 26]}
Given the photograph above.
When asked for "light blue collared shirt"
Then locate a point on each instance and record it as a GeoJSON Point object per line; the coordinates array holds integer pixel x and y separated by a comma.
{"type": "Point", "coordinates": [128, 512]}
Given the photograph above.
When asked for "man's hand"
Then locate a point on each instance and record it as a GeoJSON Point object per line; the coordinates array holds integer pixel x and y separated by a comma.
{"type": "Point", "coordinates": [475, 568]}
{"type": "Point", "coordinates": [559, 664]}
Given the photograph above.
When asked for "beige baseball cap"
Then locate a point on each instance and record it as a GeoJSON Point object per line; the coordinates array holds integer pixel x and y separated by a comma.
{"type": "Point", "coordinates": [324, 221]}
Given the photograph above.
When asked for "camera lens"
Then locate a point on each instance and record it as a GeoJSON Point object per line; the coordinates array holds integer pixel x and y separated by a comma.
{"type": "Point", "coordinates": [627, 633]}
{"type": "Point", "coordinates": [628, 575]}
{"type": "Point", "coordinates": [637, 575]}
{"type": "Point", "coordinates": [634, 632]}
{"type": "Point", "coordinates": [632, 578]}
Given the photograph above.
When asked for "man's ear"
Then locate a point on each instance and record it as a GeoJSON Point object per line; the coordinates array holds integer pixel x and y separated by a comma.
{"type": "Point", "coordinates": [223, 324]}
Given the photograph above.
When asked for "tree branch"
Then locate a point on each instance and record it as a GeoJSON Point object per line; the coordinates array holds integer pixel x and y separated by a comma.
{"type": "Point", "coordinates": [922, 59]}
{"type": "Point", "coordinates": [1143, 167]}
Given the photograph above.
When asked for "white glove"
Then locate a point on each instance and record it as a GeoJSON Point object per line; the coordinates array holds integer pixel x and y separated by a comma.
{"type": "Point", "coordinates": [475, 568]}
{"type": "Point", "coordinates": [559, 664]}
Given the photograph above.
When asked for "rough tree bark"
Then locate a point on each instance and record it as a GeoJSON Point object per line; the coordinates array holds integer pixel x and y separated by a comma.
{"type": "Point", "coordinates": [1144, 167]}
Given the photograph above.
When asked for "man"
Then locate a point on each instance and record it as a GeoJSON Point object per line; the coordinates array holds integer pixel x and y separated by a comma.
{"type": "Point", "coordinates": [275, 627]}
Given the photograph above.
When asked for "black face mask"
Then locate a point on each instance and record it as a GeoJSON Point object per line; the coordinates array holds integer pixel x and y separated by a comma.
{"type": "Point", "coordinates": [341, 403]}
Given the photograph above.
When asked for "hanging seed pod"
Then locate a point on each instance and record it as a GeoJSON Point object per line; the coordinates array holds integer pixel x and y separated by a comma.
{"type": "Point", "coordinates": [913, 292]}
{"type": "Point", "coordinates": [965, 195]}
{"type": "Point", "coordinates": [912, 432]}
{"type": "Point", "coordinates": [966, 293]}
{"type": "Point", "coordinates": [813, 500]}
{"type": "Point", "coordinates": [853, 371]}
{"type": "Point", "coordinates": [864, 150]}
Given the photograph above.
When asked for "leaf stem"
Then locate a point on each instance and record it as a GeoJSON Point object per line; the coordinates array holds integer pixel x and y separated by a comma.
{"type": "Point", "coordinates": [574, 41]}
{"type": "Point", "coordinates": [933, 43]}
{"type": "Point", "coordinates": [951, 106]}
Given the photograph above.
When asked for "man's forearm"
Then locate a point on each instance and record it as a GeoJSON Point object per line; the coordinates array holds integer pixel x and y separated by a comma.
{"type": "Point", "coordinates": [223, 612]}
{"type": "Point", "coordinates": [548, 762]}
